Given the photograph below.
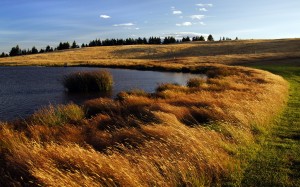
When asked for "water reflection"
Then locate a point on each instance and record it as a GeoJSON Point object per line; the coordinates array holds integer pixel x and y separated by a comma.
{"type": "Point", "coordinates": [80, 98]}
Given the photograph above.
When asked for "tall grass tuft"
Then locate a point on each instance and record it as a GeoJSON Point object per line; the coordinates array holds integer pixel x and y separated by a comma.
{"type": "Point", "coordinates": [57, 116]}
{"type": "Point", "coordinates": [196, 82]}
{"type": "Point", "coordinates": [88, 81]}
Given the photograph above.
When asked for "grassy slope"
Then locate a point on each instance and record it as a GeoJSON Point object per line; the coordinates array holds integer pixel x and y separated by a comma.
{"type": "Point", "coordinates": [278, 161]}
{"type": "Point", "coordinates": [186, 54]}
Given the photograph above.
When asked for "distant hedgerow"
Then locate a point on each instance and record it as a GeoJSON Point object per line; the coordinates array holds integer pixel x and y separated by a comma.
{"type": "Point", "coordinates": [88, 81]}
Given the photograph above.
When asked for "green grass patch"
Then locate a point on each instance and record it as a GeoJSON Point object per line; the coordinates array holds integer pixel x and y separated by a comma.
{"type": "Point", "coordinates": [278, 161]}
{"type": "Point", "coordinates": [88, 81]}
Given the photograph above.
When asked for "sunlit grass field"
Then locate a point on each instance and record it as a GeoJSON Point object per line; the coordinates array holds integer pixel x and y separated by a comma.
{"type": "Point", "coordinates": [175, 55]}
{"type": "Point", "coordinates": [217, 131]}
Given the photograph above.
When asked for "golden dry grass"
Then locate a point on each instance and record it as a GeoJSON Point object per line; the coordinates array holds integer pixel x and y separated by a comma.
{"type": "Point", "coordinates": [178, 136]}
{"type": "Point", "coordinates": [185, 54]}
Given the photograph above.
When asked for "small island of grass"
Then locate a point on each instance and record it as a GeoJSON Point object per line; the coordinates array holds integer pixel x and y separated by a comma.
{"type": "Point", "coordinates": [95, 81]}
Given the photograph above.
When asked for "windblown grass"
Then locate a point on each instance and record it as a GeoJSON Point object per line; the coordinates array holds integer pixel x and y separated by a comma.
{"type": "Point", "coordinates": [177, 136]}
{"type": "Point", "coordinates": [59, 115]}
{"type": "Point", "coordinates": [94, 81]}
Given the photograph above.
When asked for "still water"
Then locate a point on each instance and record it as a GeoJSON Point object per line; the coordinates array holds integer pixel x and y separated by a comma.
{"type": "Point", "coordinates": [24, 90]}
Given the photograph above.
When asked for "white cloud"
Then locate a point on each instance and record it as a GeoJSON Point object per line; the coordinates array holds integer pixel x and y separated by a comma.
{"type": "Point", "coordinates": [205, 5]}
{"type": "Point", "coordinates": [203, 9]}
{"type": "Point", "coordinates": [197, 17]}
{"type": "Point", "coordinates": [105, 16]}
{"type": "Point", "coordinates": [124, 25]}
{"type": "Point", "coordinates": [184, 24]}
{"type": "Point", "coordinates": [177, 12]}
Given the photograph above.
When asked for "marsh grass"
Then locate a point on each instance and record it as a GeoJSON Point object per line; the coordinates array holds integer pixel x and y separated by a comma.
{"type": "Point", "coordinates": [94, 81]}
{"type": "Point", "coordinates": [196, 82]}
{"type": "Point", "coordinates": [57, 115]}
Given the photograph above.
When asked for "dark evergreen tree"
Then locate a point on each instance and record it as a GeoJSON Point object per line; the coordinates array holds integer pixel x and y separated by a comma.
{"type": "Point", "coordinates": [34, 50]}
{"type": "Point", "coordinates": [48, 49]}
{"type": "Point", "coordinates": [15, 51]}
{"type": "Point", "coordinates": [201, 38]}
{"type": "Point", "coordinates": [24, 52]}
{"type": "Point", "coordinates": [187, 39]}
{"type": "Point", "coordinates": [210, 38]}
{"type": "Point", "coordinates": [120, 42]}
{"type": "Point", "coordinates": [3, 55]}
{"type": "Point", "coordinates": [198, 38]}
{"type": "Point", "coordinates": [145, 41]}
{"type": "Point", "coordinates": [63, 46]}
{"type": "Point", "coordinates": [154, 40]}
{"type": "Point", "coordinates": [169, 40]}
{"type": "Point", "coordinates": [139, 41]}
{"type": "Point", "coordinates": [74, 45]}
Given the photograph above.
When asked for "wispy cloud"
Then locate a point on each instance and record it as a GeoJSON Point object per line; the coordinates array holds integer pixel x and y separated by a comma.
{"type": "Point", "coordinates": [177, 12]}
{"type": "Point", "coordinates": [124, 25]}
{"type": "Point", "coordinates": [184, 24]}
{"type": "Point", "coordinates": [205, 5]}
{"type": "Point", "coordinates": [203, 9]}
{"type": "Point", "coordinates": [199, 17]}
{"type": "Point", "coordinates": [105, 16]}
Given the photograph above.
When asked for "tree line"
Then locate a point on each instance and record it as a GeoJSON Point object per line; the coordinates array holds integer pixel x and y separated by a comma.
{"type": "Point", "coordinates": [17, 51]}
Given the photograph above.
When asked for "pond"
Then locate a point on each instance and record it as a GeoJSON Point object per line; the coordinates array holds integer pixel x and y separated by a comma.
{"type": "Point", "coordinates": [24, 90]}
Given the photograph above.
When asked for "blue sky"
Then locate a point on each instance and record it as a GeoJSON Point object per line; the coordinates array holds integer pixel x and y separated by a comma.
{"type": "Point", "coordinates": [42, 22]}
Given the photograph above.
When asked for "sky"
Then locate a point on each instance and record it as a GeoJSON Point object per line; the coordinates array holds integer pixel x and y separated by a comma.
{"type": "Point", "coordinates": [40, 23]}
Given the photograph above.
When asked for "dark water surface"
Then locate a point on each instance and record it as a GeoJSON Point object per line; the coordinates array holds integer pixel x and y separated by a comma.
{"type": "Point", "coordinates": [26, 89]}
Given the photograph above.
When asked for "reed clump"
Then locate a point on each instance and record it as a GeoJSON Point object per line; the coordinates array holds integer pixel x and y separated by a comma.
{"type": "Point", "coordinates": [196, 82]}
{"type": "Point", "coordinates": [94, 81]}
{"type": "Point", "coordinates": [57, 115]}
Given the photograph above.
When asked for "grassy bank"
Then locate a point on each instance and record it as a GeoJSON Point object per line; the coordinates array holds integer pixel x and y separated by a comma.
{"type": "Point", "coordinates": [278, 161]}
{"type": "Point", "coordinates": [179, 135]}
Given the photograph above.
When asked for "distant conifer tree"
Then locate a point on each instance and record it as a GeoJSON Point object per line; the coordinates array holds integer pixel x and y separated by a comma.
{"type": "Point", "coordinates": [2, 55]}
{"type": "Point", "coordinates": [34, 50]}
{"type": "Point", "coordinates": [210, 38]}
{"type": "Point", "coordinates": [15, 51]}
{"type": "Point", "coordinates": [74, 45]}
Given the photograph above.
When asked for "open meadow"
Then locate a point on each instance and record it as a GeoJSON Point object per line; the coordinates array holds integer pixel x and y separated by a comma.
{"type": "Point", "coordinates": [239, 126]}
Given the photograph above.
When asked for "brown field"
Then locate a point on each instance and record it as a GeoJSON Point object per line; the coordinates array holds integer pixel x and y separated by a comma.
{"type": "Point", "coordinates": [196, 135]}
{"type": "Point", "coordinates": [175, 55]}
